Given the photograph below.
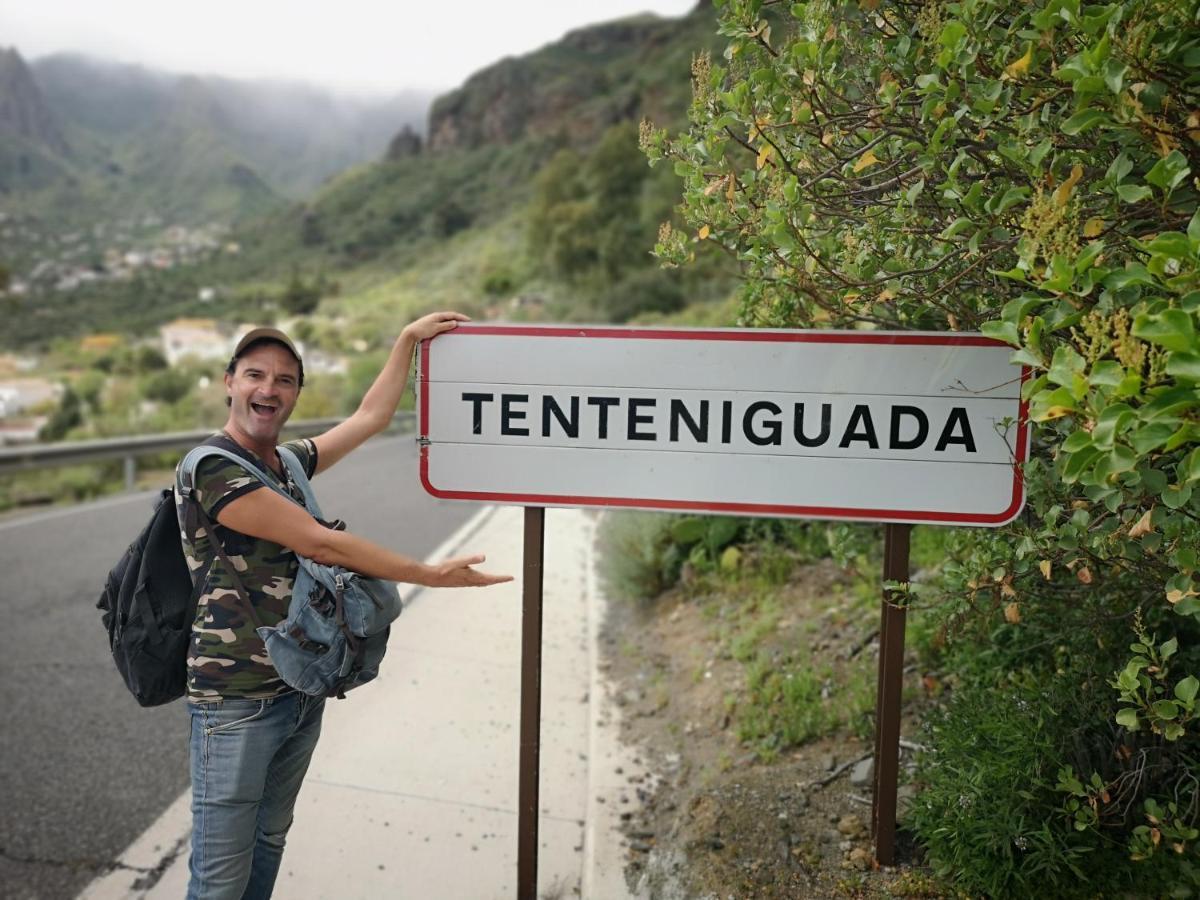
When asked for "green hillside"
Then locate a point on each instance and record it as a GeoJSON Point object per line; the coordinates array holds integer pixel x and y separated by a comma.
{"type": "Point", "coordinates": [529, 198]}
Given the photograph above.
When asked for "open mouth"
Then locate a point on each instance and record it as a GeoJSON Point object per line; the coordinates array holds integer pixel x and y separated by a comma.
{"type": "Point", "coordinates": [264, 409]}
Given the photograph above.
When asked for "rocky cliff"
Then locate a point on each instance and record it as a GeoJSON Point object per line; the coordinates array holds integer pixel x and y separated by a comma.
{"type": "Point", "coordinates": [578, 86]}
{"type": "Point", "coordinates": [23, 112]}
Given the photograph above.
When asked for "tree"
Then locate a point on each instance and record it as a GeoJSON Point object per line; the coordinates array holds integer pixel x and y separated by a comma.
{"type": "Point", "coordinates": [1027, 169]}
{"type": "Point", "coordinates": [300, 297]}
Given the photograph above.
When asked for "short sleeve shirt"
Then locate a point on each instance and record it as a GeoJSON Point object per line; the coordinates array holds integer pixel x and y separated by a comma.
{"type": "Point", "coordinates": [227, 659]}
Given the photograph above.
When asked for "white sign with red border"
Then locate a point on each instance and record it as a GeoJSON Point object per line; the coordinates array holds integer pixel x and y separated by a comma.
{"type": "Point", "coordinates": [863, 425]}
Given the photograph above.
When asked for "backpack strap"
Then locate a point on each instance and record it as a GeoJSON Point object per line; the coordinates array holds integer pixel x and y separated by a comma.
{"type": "Point", "coordinates": [185, 477]}
{"type": "Point", "coordinates": [300, 479]}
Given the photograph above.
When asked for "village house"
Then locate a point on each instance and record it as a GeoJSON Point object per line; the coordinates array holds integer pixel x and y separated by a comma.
{"type": "Point", "coordinates": [19, 394]}
{"type": "Point", "coordinates": [198, 338]}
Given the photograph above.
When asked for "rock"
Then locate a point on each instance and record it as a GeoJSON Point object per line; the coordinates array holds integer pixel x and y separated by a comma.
{"type": "Point", "coordinates": [828, 762]}
{"type": "Point", "coordinates": [863, 773]}
{"type": "Point", "coordinates": [851, 826]}
{"type": "Point", "coordinates": [860, 858]}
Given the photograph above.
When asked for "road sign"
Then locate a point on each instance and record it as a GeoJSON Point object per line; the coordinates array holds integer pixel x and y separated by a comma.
{"type": "Point", "coordinates": [864, 425]}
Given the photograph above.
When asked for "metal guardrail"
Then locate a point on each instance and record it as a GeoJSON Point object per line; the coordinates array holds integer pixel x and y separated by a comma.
{"type": "Point", "coordinates": [38, 456]}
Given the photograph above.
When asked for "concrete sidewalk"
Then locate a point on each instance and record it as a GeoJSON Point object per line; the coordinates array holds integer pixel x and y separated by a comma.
{"type": "Point", "coordinates": [421, 766]}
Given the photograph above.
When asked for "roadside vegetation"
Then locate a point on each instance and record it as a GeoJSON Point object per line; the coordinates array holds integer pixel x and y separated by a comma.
{"type": "Point", "coordinates": [1028, 170]}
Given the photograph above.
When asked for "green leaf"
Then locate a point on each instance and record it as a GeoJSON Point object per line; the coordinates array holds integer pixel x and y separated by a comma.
{"type": "Point", "coordinates": [1165, 709]}
{"type": "Point", "coordinates": [1170, 243]}
{"type": "Point", "coordinates": [1169, 172]}
{"type": "Point", "coordinates": [1121, 459]}
{"type": "Point", "coordinates": [1077, 441]}
{"type": "Point", "coordinates": [1002, 331]}
{"type": "Point", "coordinates": [1175, 497]}
{"type": "Point", "coordinates": [1186, 690]}
{"type": "Point", "coordinates": [1079, 463]}
{"type": "Point", "coordinates": [1107, 373]}
{"type": "Point", "coordinates": [1082, 121]}
{"type": "Point", "coordinates": [1128, 718]}
{"type": "Point", "coordinates": [1169, 648]}
{"type": "Point", "coordinates": [1151, 437]}
{"type": "Point", "coordinates": [1066, 365]}
{"type": "Point", "coordinates": [1133, 193]}
{"type": "Point", "coordinates": [1171, 328]}
{"type": "Point", "coordinates": [1186, 366]}
{"type": "Point", "coordinates": [1189, 469]}
{"type": "Point", "coordinates": [689, 530]}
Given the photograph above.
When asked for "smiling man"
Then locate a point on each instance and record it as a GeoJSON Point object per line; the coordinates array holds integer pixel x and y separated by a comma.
{"type": "Point", "coordinates": [252, 736]}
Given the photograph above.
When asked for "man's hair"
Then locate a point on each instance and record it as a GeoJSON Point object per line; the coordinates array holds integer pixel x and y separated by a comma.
{"type": "Point", "coordinates": [231, 368]}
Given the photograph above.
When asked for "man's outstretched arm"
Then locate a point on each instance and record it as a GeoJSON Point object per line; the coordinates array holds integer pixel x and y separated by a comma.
{"type": "Point", "coordinates": [266, 515]}
{"type": "Point", "coordinates": [379, 403]}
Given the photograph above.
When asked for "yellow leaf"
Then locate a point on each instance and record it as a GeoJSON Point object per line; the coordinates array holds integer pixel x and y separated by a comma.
{"type": "Point", "coordinates": [830, 33]}
{"type": "Point", "coordinates": [730, 188]}
{"type": "Point", "coordinates": [1175, 596]}
{"type": "Point", "coordinates": [1093, 228]}
{"type": "Point", "coordinates": [763, 155]}
{"type": "Point", "coordinates": [885, 295]}
{"type": "Point", "coordinates": [703, 233]}
{"type": "Point", "coordinates": [952, 321]}
{"type": "Point", "coordinates": [1063, 194]}
{"type": "Point", "coordinates": [1012, 613]}
{"type": "Point", "coordinates": [1084, 575]}
{"type": "Point", "coordinates": [1021, 66]}
{"type": "Point", "coordinates": [867, 159]}
{"type": "Point", "coordinates": [869, 4]}
{"type": "Point", "coordinates": [1056, 412]}
{"type": "Point", "coordinates": [1142, 526]}
{"type": "Point", "coordinates": [1006, 588]}
{"type": "Point", "coordinates": [1045, 565]}
{"type": "Point", "coordinates": [828, 137]}
{"type": "Point", "coordinates": [851, 297]}
{"type": "Point", "coordinates": [809, 77]}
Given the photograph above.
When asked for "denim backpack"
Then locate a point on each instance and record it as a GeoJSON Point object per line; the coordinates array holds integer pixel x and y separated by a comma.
{"type": "Point", "coordinates": [335, 633]}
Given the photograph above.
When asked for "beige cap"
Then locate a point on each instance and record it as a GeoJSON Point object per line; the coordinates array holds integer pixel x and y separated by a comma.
{"type": "Point", "coordinates": [269, 334]}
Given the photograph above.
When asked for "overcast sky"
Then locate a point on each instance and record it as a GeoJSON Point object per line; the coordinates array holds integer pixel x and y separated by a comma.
{"type": "Point", "coordinates": [354, 45]}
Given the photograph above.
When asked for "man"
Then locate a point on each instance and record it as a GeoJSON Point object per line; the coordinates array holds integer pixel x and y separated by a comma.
{"type": "Point", "coordinates": [251, 735]}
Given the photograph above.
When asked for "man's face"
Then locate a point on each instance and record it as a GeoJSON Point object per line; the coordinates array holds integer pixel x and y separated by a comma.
{"type": "Point", "coordinates": [263, 392]}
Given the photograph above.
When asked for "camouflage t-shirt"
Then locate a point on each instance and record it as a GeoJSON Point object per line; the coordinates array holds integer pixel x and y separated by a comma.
{"type": "Point", "coordinates": [227, 658]}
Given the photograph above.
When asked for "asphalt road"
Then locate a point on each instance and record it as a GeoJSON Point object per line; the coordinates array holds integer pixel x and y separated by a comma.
{"type": "Point", "coordinates": [83, 769]}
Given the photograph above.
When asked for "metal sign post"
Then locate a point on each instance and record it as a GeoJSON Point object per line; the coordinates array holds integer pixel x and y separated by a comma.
{"type": "Point", "coordinates": [531, 703]}
{"type": "Point", "coordinates": [887, 697]}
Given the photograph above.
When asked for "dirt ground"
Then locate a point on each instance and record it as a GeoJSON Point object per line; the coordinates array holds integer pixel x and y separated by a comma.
{"type": "Point", "coordinates": [716, 820]}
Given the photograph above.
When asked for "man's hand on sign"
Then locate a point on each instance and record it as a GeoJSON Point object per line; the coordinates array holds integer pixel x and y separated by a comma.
{"type": "Point", "coordinates": [458, 573]}
{"type": "Point", "coordinates": [432, 325]}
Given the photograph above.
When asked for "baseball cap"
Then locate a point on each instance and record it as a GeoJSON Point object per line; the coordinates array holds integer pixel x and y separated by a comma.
{"type": "Point", "coordinates": [266, 334]}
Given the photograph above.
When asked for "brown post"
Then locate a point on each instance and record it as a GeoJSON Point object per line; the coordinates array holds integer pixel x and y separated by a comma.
{"type": "Point", "coordinates": [888, 695]}
{"type": "Point", "coordinates": [531, 704]}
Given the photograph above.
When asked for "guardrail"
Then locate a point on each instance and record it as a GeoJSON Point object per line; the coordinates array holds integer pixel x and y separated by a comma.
{"type": "Point", "coordinates": [38, 456]}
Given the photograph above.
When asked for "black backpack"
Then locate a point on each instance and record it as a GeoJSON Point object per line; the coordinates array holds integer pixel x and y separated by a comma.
{"type": "Point", "coordinates": [149, 603]}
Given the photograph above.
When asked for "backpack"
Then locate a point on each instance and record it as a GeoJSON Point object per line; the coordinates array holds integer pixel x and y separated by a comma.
{"type": "Point", "coordinates": [149, 603]}
{"type": "Point", "coordinates": [335, 633]}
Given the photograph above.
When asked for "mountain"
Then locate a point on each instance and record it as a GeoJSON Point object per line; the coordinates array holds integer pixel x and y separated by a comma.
{"type": "Point", "coordinates": [23, 113]}
{"type": "Point", "coordinates": [578, 86]}
{"type": "Point", "coordinates": [526, 187]}
{"type": "Point", "coordinates": [83, 140]}
{"type": "Point", "coordinates": [487, 140]}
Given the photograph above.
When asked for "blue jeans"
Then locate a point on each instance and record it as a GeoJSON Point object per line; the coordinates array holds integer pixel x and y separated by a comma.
{"type": "Point", "coordinates": [248, 760]}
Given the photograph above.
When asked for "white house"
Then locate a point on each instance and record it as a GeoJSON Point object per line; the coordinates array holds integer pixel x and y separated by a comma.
{"type": "Point", "coordinates": [198, 338]}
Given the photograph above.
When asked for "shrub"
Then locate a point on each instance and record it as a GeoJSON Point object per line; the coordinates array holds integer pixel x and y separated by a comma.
{"type": "Point", "coordinates": [1028, 170]}
{"type": "Point", "coordinates": [637, 558]}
